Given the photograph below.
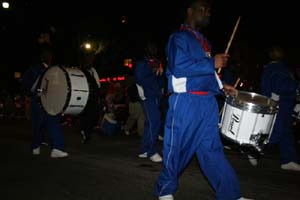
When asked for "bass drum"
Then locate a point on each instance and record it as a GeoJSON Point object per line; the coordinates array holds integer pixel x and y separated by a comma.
{"type": "Point", "coordinates": [63, 90]}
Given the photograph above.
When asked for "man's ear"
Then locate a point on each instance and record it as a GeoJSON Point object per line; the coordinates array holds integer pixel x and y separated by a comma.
{"type": "Point", "coordinates": [189, 12]}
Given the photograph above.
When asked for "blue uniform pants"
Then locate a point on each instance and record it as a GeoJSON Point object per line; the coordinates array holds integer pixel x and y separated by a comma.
{"type": "Point", "coordinates": [192, 128]}
{"type": "Point", "coordinates": [151, 126]}
{"type": "Point", "coordinates": [41, 121]}
{"type": "Point", "coordinates": [282, 133]}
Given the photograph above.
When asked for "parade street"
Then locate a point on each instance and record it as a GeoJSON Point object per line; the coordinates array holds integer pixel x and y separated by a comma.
{"type": "Point", "coordinates": [108, 169]}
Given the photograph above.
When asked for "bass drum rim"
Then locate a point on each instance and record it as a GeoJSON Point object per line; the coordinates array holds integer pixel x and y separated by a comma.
{"type": "Point", "coordinates": [68, 92]}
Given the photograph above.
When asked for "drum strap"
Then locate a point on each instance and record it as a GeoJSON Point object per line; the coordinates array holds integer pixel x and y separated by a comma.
{"type": "Point", "coordinates": [34, 86]}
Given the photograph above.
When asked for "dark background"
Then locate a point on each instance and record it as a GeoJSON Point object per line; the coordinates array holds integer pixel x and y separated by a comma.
{"type": "Point", "coordinates": [262, 24]}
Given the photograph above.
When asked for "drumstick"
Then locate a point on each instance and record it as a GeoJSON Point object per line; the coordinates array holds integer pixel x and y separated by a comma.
{"type": "Point", "coordinates": [231, 38]}
{"type": "Point", "coordinates": [237, 82]}
{"type": "Point", "coordinates": [235, 85]}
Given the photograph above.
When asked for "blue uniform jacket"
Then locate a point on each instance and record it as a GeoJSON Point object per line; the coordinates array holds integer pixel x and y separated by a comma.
{"type": "Point", "coordinates": [150, 83]}
{"type": "Point", "coordinates": [31, 76]}
{"type": "Point", "coordinates": [189, 67]}
{"type": "Point", "coordinates": [277, 78]}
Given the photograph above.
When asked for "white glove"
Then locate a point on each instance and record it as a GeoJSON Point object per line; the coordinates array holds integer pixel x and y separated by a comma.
{"type": "Point", "coordinates": [275, 97]}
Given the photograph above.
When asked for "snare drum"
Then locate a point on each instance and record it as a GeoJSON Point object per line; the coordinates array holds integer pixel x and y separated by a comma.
{"type": "Point", "coordinates": [63, 90]}
{"type": "Point", "coordinates": [248, 119]}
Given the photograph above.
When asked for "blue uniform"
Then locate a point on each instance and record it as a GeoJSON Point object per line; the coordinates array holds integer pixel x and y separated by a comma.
{"type": "Point", "coordinates": [40, 119]}
{"type": "Point", "coordinates": [192, 120]}
{"type": "Point", "coordinates": [277, 79]}
{"type": "Point", "coordinates": [150, 90]}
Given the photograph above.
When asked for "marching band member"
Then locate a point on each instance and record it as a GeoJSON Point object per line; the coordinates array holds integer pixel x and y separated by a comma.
{"type": "Point", "coordinates": [192, 121]}
{"type": "Point", "coordinates": [150, 83]}
{"type": "Point", "coordinates": [40, 119]}
{"type": "Point", "coordinates": [277, 83]}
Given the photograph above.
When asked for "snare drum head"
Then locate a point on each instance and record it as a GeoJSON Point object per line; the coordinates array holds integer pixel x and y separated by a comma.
{"type": "Point", "coordinates": [253, 102]}
{"type": "Point", "coordinates": [54, 90]}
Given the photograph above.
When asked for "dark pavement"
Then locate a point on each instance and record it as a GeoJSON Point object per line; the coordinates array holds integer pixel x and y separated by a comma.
{"type": "Point", "coordinates": [108, 169]}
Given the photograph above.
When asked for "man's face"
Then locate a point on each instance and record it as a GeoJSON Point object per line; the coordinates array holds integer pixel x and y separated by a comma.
{"type": "Point", "coordinates": [200, 14]}
{"type": "Point", "coordinates": [276, 54]}
{"type": "Point", "coordinates": [152, 50]}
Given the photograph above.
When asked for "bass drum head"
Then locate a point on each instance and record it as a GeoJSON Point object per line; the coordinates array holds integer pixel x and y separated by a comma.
{"type": "Point", "coordinates": [55, 90]}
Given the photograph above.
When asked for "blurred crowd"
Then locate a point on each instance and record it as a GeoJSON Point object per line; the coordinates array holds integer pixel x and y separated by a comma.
{"type": "Point", "coordinates": [115, 100]}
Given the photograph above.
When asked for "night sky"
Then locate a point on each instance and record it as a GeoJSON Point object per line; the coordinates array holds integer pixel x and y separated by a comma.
{"type": "Point", "coordinates": [262, 24]}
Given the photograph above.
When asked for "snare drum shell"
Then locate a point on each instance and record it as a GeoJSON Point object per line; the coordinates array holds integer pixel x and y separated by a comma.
{"type": "Point", "coordinates": [238, 125]}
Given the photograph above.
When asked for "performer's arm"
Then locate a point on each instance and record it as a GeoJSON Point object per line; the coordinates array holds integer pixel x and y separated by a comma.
{"type": "Point", "coordinates": [144, 76]}
{"type": "Point", "coordinates": [181, 64]}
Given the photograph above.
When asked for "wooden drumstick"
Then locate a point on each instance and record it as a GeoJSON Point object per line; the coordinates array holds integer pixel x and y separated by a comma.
{"type": "Point", "coordinates": [231, 38]}
{"type": "Point", "coordinates": [237, 82]}
{"type": "Point", "coordinates": [235, 85]}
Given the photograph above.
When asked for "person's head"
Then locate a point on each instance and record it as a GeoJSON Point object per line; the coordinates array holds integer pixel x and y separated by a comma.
{"type": "Point", "coordinates": [151, 48]}
{"type": "Point", "coordinates": [197, 13]}
{"type": "Point", "coordinates": [46, 53]}
{"type": "Point", "coordinates": [117, 85]}
{"type": "Point", "coordinates": [45, 34]}
{"type": "Point", "coordinates": [276, 53]}
{"type": "Point", "coordinates": [87, 59]}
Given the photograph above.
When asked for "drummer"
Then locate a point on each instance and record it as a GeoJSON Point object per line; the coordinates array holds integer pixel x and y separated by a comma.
{"type": "Point", "coordinates": [90, 115]}
{"type": "Point", "coordinates": [277, 83]}
{"type": "Point", "coordinates": [191, 125]}
{"type": "Point", "coordinates": [41, 119]}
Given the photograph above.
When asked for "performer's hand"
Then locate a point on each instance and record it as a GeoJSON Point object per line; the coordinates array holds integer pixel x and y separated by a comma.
{"type": "Point", "coordinates": [230, 90]}
{"type": "Point", "coordinates": [159, 71]}
{"type": "Point", "coordinates": [221, 60]}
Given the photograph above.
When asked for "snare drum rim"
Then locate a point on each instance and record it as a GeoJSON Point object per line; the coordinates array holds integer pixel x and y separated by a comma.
{"type": "Point", "coordinates": [251, 107]}
{"type": "Point", "coordinates": [68, 94]}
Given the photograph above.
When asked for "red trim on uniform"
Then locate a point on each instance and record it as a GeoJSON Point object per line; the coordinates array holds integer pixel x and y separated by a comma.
{"type": "Point", "coordinates": [203, 42]}
{"type": "Point", "coordinates": [199, 92]}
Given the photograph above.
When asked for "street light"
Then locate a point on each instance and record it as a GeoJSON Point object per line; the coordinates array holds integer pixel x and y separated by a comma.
{"type": "Point", "coordinates": [87, 46]}
{"type": "Point", "coordinates": [5, 5]}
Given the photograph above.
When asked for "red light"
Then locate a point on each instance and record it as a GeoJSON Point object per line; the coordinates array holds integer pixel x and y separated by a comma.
{"type": "Point", "coordinates": [130, 65]}
{"type": "Point", "coordinates": [121, 78]}
{"type": "Point", "coordinates": [108, 79]}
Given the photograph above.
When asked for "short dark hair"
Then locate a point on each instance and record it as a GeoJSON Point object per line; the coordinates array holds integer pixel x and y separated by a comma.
{"type": "Point", "coordinates": [190, 3]}
{"type": "Point", "coordinates": [276, 52]}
